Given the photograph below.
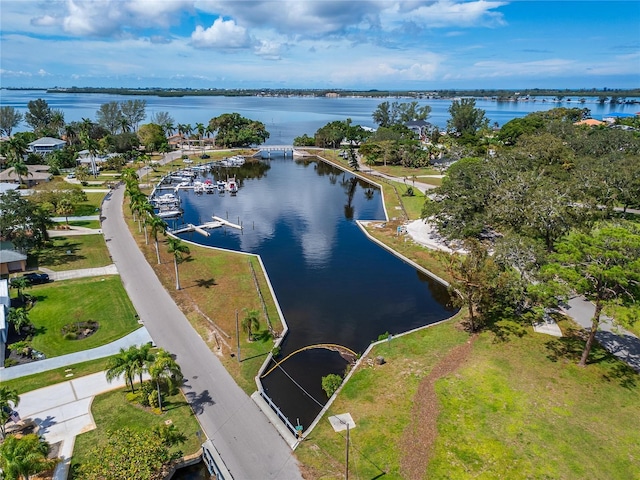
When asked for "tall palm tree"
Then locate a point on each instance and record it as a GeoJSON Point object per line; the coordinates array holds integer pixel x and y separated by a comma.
{"type": "Point", "coordinates": [200, 128]}
{"type": "Point", "coordinates": [121, 364]}
{"type": "Point", "coordinates": [165, 369]}
{"type": "Point", "coordinates": [9, 400]}
{"type": "Point", "coordinates": [142, 357]}
{"type": "Point", "coordinates": [23, 456]}
{"type": "Point", "coordinates": [20, 284]}
{"type": "Point", "coordinates": [157, 225]}
{"type": "Point", "coordinates": [16, 150]}
{"type": "Point", "coordinates": [251, 322]}
{"type": "Point", "coordinates": [146, 212]}
{"type": "Point", "coordinates": [178, 249]}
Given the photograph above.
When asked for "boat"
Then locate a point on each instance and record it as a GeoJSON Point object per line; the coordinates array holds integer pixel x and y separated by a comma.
{"type": "Point", "coordinates": [166, 199]}
{"type": "Point", "coordinates": [169, 212]}
{"type": "Point", "coordinates": [222, 186]}
{"type": "Point", "coordinates": [232, 185]}
{"type": "Point", "coordinates": [209, 187]}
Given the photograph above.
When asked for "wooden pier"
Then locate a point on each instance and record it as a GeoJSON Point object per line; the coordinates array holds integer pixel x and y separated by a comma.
{"type": "Point", "coordinates": [202, 229]}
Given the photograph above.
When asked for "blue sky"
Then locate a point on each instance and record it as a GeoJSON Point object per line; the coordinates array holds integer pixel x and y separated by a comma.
{"type": "Point", "coordinates": [350, 44]}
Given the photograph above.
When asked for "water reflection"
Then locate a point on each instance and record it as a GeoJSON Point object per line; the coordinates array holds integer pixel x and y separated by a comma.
{"type": "Point", "coordinates": [333, 284]}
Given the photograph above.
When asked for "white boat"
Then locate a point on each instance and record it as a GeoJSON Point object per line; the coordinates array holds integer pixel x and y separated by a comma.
{"type": "Point", "coordinates": [222, 186]}
{"type": "Point", "coordinates": [166, 199]}
{"type": "Point", "coordinates": [232, 185]}
{"type": "Point", "coordinates": [169, 213]}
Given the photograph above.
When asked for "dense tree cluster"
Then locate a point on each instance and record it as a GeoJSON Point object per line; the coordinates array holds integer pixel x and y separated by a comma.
{"type": "Point", "coordinates": [233, 130]}
{"type": "Point", "coordinates": [549, 201]}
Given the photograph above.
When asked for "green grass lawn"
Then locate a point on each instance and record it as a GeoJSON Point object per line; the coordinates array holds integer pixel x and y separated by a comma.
{"type": "Point", "coordinates": [91, 206]}
{"type": "Point", "coordinates": [406, 172]}
{"type": "Point", "coordinates": [111, 411]}
{"type": "Point", "coordinates": [73, 252]}
{"type": "Point", "coordinates": [516, 409]}
{"type": "Point", "coordinates": [95, 224]}
{"type": "Point", "coordinates": [58, 375]}
{"type": "Point", "coordinates": [102, 299]}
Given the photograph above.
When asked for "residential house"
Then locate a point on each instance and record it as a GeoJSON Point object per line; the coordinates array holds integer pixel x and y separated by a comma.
{"type": "Point", "coordinates": [10, 259]}
{"type": "Point", "coordinates": [37, 174]}
{"type": "Point", "coordinates": [46, 145]}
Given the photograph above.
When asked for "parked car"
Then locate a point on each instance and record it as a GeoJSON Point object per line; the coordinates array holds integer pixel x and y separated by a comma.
{"type": "Point", "coordinates": [204, 155]}
{"type": "Point", "coordinates": [36, 278]}
{"type": "Point", "coordinates": [71, 175]}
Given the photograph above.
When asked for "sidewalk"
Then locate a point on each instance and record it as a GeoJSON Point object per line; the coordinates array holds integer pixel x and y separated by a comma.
{"type": "Point", "coordinates": [81, 273]}
{"type": "Point", "coordinates": [616, 340]}
{"type": "Point", "coordinates": [136, 337]}
{"type": "Point", "coordinates": [63, 411]}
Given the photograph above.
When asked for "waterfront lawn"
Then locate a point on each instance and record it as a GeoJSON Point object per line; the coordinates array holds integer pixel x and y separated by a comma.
{"type": "Point", "coordinates": [215, 284]}
{"type": "Point", "coordinates": [515, 409]}
{"type": "Point", "coordinates": [379, 398]}
{"type": "Point", "coordinates": [58, 375]}
{"type": "Point", "coordinates": [406, 172]}
{"type": "Point", "coordinates": [111, 411]}
{"type": "Point", "coordinates": [73, 252]}
{"type": "Point", "coordinates": [101, 299]}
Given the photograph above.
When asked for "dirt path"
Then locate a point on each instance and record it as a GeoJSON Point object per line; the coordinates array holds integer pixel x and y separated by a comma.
{"type": "Point", "coordinates": [420, 436]}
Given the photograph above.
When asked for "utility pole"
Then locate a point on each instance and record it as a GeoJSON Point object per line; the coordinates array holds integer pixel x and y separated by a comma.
{"type": "Point", "coordinates": [238, 336]}
{"type": "Point", "coordinates": [346, 468]}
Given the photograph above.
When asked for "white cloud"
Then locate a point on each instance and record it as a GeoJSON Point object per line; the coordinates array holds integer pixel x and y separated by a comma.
{"type": "Point", "coordinates": [448, 13]}
{"type": "Point", "coordinates": [223, 34]}
{"type": "Point", "coordinates": [13, 73]}
{"type": "Point", "coordinates": [46, 21]}
{"type": "Point", "coordinates": [43, 73]}
{"type": "Point", "coordinates": [268, 49]}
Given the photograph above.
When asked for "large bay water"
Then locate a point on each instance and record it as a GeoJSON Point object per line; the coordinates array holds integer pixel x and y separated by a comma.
{"type": "Point", "coordinates": [333, 284]}
{"type": "Point", "coordinates": [284, 117]}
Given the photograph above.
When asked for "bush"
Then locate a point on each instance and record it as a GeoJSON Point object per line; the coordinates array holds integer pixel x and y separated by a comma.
{"type": "Point", "coordinates": [22, 348]}
{"type": "Point", "coordinates": [152, 398]}
{"type": "Point", "coordinates": [146, 391]}
{"type": "Point", "coordinates": [331, 383]}
{"type": "Point", "coordinates": [70, 336]}
{"type": "Point", "coordinates": [132, 397]}
{"type": "Point", "coordinates": [10, 362]}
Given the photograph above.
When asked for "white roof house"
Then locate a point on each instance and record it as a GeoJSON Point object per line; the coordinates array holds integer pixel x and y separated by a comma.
{"type": "Point", "coordinates": [46, 145]}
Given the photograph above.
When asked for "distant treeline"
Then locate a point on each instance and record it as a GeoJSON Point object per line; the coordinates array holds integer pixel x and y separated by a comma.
{"type": "Point", "coordinates": [621, 95]}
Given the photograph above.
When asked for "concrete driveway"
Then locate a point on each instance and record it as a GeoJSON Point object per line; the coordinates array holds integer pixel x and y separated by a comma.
{"type": "Point", "coordinates": [63, 411]}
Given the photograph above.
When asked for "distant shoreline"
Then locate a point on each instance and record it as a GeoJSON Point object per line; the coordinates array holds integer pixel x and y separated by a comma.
{"type": "Point", "coordinates": [574, 96]}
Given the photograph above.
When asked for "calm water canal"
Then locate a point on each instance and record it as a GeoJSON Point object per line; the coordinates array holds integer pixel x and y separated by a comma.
{"type": "Point", "coordinates": [333, 284]}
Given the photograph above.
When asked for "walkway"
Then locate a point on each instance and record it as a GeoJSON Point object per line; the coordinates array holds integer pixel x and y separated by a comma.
{"type": "Point", "coordinates": [81, 273]}
{"type": "Point", "coordinates": [137, 337]}
{"type": "Point", "coordinates": [616, 340]}
{"type": "Point", "coordinates": [63, 411]}
{"type": "Point", "coordinates": [248, 444]}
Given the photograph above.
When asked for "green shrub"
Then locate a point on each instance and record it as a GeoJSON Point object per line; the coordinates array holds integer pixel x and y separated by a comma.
{"type": "Point", "coordinates": [152, 398]}
{"type": "Point", "coordinates": [10, 362]}
{"type": "Point", "coordinates": [70, 336]}
{"type": "Point", "coordinates": [331, 383]}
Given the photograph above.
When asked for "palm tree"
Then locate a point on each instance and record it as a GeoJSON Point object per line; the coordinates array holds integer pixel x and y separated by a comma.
{"type": "Point", "coordinates": [16, 150]}
{"type": "Point", "coordinates": [19, 318]}
{"type": "Point", "coordinates": [157, 225]}
{"type": "Point", "coordinates": [9, 400]}
{"type": "Point", "coordinates": [20, 283]}
{"type": "Point", "coordinates": [200, 128]}
{"type": "Point", "coordinates": [24, 456]}
{"type": "Point", "coordinates": [178, 249]}
{"type": "Point", "coordinates": [165, 368]}
{"type": "Point", "coordinates": [251, 322]}
{"type": "Point", "coordinates": [142, 357]}
{"type": "Point", "coordinates": [121, 364]}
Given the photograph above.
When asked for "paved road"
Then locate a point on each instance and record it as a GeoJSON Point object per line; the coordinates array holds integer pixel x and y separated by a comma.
{"type": "Point", "coordinates": [247, 442]}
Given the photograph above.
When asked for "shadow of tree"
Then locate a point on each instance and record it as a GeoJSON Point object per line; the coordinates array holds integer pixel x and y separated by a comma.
{"type": "Point", "coordinates": [199, 400]}
{"type": "Point", "coordinates": [205, 283]}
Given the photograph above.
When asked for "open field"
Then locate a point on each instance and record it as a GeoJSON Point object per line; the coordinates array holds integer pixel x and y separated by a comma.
{"type": "Point", "coordinates": [515, 409]}
{"type": "Point", "coordinates": [73, 252]}
{"type": "Point", "coordinates": [101, 299]}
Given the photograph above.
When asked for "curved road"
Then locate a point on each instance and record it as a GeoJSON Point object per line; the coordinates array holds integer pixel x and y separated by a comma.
{"type": "Point", "coordinates": [248, 444]}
